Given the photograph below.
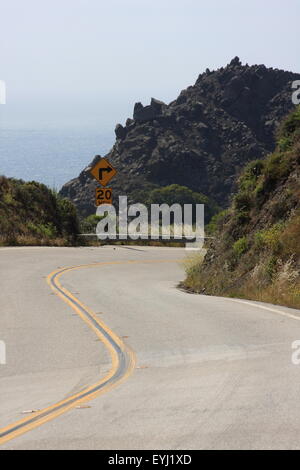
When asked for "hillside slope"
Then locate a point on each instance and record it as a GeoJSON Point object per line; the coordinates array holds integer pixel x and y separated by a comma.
{"type": "Point", "coordinates": [256, 251]}
{"type": "Point", "coordinates": [201, 140]}
{"type": "Point", "coordinates": [32, 214]}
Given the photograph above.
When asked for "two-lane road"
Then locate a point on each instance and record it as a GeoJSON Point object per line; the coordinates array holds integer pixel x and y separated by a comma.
{"type": "Point", "coordinates": [171, 370]}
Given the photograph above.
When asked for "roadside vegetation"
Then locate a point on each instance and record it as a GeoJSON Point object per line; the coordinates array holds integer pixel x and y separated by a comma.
{"type": "Point", "coordinates": [32, 214]}
{"type": "Point", "coordinates": [88, 226]}
{"type": "Point", "coordinates": [256, 250]}
{"type": "Point", "coordinates": [172, 194]}
{"type": "Point", "coordinates": [176, 194]}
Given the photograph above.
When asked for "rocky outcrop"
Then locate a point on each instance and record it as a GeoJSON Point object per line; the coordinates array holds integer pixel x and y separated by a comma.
{"type": "Point", "coordinates": [202, 139]}
{"type": "Point", "coordinates": [120, 132]}
{"type": "Point", "coordinates": [146, 113]}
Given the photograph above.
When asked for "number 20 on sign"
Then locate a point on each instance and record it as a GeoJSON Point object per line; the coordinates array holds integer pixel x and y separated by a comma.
{"type": "Point", "coordinates": [103, 196]}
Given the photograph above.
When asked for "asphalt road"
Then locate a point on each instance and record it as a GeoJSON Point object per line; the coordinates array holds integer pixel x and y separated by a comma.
{"type": "Point", "coordinates": [172, 370]}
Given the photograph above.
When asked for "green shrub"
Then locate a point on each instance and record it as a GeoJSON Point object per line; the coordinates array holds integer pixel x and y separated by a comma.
{"type": "Point", "coordinates": [250, 175]}
{"type": "Point", "coordinates": [277, 167]}
{"type": "Point", "coordinates": [67, 221]}
{"type": "Point", "coordinates": [31, 213]}
{"type": "Point", "coordinates": [290, 125]}
{"type": "Point", "coordinates": [269, 238]}
{"type": "Point", "coordinates": [240, 246]}
{"type": "Point", "coordinates": [43, 230]}
{"type": "Point", "coordinates": [89, 224]}
{"type": "Point", "coordinates": [176, 194]}
{"type": "Point", "coordinates": [217, 222]}
{"type": "Point", "coordinates": [284, 144]}
{"type": "Point", "coordinates": [240, 218]}
{"type": "Point", "coordinates": [243, 201]}
{"type": "Point", "coordinates": [271, 267]}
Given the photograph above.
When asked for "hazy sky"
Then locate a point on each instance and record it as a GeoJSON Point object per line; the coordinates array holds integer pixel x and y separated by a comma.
{"type": "Point", "coordinates": [86, 62]}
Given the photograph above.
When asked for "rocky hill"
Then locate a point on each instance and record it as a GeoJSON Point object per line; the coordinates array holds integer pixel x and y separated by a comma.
{"type": "Point", "coordinates": [201, 140]}
{"type": "Point", "coordinates": [256, 250]}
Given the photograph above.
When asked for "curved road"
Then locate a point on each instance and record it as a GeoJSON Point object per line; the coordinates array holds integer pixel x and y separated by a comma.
{"type": "Point", "coordinates": [109, 354]}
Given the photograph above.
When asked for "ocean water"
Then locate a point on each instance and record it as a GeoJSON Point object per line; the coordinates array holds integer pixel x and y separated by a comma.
{"type": "Point", "coordinates": [50, 156]}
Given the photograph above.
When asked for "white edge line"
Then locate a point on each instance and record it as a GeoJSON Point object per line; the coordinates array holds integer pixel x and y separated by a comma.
{"type": "Point", "coordinates": [280, 312]}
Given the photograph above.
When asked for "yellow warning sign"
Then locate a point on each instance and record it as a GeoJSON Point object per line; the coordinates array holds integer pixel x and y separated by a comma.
{"type": "Point", "coordinates": [103, 171]}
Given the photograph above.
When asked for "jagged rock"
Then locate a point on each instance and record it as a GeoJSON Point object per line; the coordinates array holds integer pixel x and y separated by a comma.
{"type": "Point", "coordinates": [120, 131]}
{"type": "Point", "coordinates": [129, 122]}
{"type": "Point", "coordinates": [235, 61]}
{"type": "Point", "coordinates": [211, 130]}
{"type": "Point", "coordinates": [157, 105]}
{"type": "Point", "coordinates": [146, 113]}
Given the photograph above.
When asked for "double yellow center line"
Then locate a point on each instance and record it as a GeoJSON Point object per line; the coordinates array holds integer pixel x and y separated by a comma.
{"type": "Point", "coordinates": [122, 362]}
{"type": "Point", "coordinates": [122, 357]}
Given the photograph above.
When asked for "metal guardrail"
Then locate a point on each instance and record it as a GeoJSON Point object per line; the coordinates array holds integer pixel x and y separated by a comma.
{"type": "Point", "coordinates": [125, 237]}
